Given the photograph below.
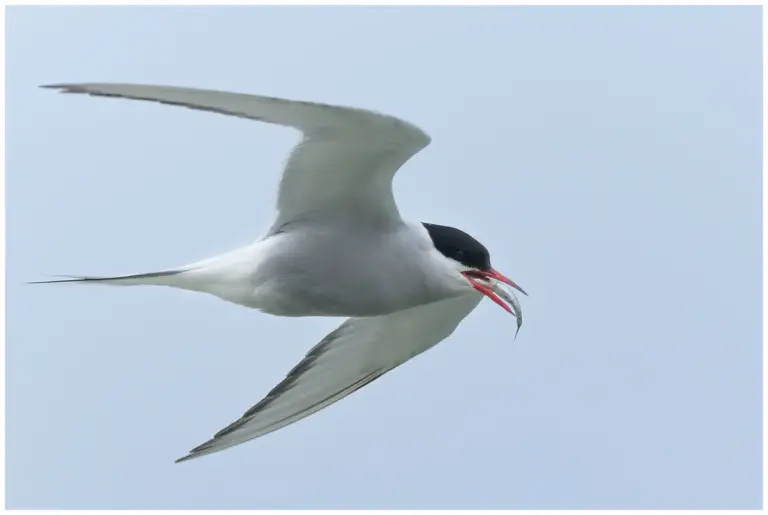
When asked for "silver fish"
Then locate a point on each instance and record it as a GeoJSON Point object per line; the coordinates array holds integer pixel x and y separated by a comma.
{"type": "Point", "coordinates": [509, 297]}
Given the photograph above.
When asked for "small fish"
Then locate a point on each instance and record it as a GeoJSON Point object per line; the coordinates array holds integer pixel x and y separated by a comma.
{"type": "Point", "coordinates": [508, 296]}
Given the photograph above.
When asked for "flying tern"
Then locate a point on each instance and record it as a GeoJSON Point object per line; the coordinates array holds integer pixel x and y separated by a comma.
{"type": "Point", "coordinates": [337, 247]}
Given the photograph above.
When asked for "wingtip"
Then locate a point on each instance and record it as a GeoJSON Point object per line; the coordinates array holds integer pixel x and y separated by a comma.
{"type": "Point", "coordinates": [197, 452]}
{"type": "Point", "coordinates": [185, 458]}
{"type": "Point", "coordinates": [65, 88]}
{"type": "Point", "coordinates": [200, 450]}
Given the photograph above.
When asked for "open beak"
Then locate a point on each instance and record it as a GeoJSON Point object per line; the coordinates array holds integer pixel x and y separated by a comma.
{"type": "Point", "coordinates": [493, 274]}
{"type": "Point", "coordinates": [481, 281]}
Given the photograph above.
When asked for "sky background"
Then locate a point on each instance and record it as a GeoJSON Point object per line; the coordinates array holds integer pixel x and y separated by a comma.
{"type": "Point", "coordinates": [609, 158]}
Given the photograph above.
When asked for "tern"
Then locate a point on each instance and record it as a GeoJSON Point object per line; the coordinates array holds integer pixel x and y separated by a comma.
{"type": "Point", "coordinates": [337, 247]}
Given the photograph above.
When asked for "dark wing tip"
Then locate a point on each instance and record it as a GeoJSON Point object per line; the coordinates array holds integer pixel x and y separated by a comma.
{"type": "Point", "coordinates": [66, 88]}
{"type": "Point", "coordinates": [198, 451]}
{"type": "Point", "coordinates": [56, 86]}
{"type": "Point", "coordinates": [194, 453]}
{"type": "Point", "coordinates": [186, 458]}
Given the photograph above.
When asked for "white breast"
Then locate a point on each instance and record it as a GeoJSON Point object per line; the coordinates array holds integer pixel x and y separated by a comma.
{"type": "Point", "coordinates": [338, 271]}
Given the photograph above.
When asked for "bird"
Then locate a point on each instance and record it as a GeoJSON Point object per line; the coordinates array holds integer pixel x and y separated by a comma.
{"type": "Point", "coordinates": [337, 247]}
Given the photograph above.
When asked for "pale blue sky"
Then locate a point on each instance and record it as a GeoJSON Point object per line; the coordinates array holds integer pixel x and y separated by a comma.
{"type": "Point", "coordinates": [610, 158]}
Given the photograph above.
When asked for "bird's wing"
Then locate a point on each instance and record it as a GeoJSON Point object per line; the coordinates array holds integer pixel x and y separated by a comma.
{"type": "Point", "coordinates": [343, 166]}
{"type": "Point", "coordinates": [350, 357]}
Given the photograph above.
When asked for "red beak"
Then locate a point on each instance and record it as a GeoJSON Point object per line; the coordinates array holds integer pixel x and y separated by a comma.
{"type": "Point", "coordinates": [488, 292]}
{"type": "Point", "coordinates": [503, 278]}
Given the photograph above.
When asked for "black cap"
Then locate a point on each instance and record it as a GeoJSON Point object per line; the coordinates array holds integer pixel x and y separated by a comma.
{"type": "Point", "coordinates": [459, 246]}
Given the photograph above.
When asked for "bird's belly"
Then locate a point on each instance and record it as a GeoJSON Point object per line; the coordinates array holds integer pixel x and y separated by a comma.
{"type": "Point", "coordinates": [318, 297]}
{"type": "Point", "coordinates": [328, 281]}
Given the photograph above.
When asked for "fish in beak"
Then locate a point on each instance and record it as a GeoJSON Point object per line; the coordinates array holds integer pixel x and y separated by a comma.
{"type": "Point", "coordinates": [491, 284]}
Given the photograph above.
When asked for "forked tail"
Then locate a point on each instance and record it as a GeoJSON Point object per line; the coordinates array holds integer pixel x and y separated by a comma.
{"type": "Point", "coordinates": [152, 278]}
{"type": "Point", "coordinates": [228, 276]}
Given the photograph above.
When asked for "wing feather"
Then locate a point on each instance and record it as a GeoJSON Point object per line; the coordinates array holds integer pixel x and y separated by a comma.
{"type": "Point", "coordinates": [350, 357]}
{"type": "Point", "coordinates": [343, 166]}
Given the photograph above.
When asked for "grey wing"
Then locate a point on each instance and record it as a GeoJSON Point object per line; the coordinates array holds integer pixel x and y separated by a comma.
{"type": "Point", "coordinates": [343, 166]}
{"type": "Point", "coordinates": [352, 356]}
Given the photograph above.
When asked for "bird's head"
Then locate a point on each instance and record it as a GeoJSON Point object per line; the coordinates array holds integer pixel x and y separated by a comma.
{"type": "Point", "coordinates": [472, 263]}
